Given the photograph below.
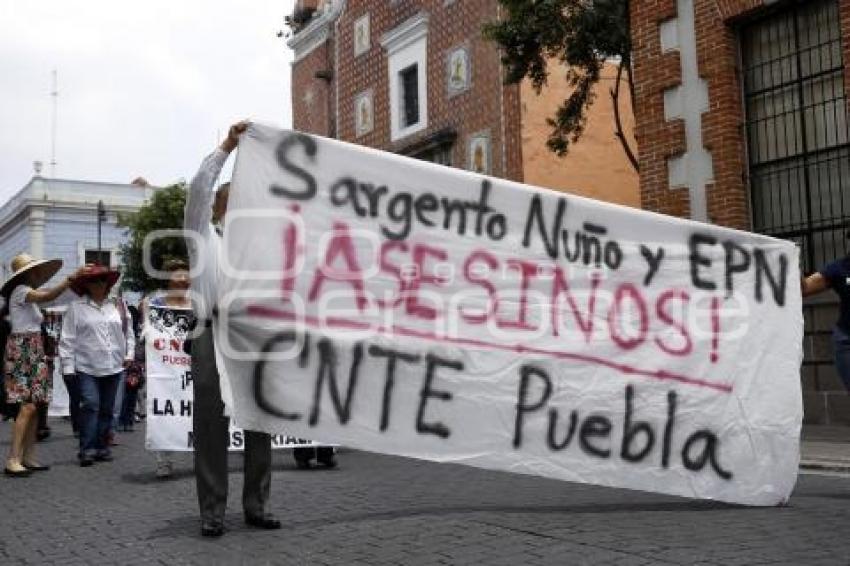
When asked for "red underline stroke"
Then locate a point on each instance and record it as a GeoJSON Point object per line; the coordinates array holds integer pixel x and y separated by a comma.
{"type": "Point", "coordinates": [336, 322]}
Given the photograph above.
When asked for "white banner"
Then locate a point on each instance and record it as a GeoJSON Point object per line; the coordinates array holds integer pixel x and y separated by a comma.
{"type": "Point", "coordinates": [410, 308]}
{"type": "Point", "coordinates": [169, 387]}
{"type": "Point", "coordinates": [60, 404]}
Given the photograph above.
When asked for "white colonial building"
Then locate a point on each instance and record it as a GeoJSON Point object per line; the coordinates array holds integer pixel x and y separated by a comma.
{"type": "Point", "coordinates": [58, 218]}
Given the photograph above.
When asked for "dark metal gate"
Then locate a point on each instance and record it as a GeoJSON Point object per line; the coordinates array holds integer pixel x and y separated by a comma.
{"type": "Point", "coordinates": [797, 128]}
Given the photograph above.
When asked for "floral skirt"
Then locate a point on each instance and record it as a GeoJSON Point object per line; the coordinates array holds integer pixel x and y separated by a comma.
{"type": "Point", "coordinates": [28, 378]}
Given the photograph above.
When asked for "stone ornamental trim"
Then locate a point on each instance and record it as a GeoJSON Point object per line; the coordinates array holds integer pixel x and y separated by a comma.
{"type": "Point", "coordinates": [317, 31]}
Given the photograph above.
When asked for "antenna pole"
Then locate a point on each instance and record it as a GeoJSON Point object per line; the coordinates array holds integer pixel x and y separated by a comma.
{"type": "Point", "coordinates": [54, 94]}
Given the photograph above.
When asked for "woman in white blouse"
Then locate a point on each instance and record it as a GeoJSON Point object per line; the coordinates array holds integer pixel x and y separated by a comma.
{"type": "Point", "coordinates": [27, 379]}
{"type": "Point", "coordinates": [96, 344]}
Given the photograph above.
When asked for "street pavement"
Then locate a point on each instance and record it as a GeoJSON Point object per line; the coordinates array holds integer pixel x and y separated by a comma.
{"type": "Point", "coordinates": [376, 509]}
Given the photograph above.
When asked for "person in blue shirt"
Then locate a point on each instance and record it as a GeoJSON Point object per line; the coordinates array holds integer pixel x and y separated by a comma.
{"type": "Point", "coordinates": [835, 276]}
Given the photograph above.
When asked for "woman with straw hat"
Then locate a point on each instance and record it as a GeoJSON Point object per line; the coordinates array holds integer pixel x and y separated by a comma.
{"type": "Point", "coordinates": [27, 378]}
{"type": "Point", "coordinates": [97, 343]}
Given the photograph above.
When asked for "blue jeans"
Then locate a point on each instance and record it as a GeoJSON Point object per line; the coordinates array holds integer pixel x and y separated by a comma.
{"type": "Point", "coordinates": [841, 345]}
{"type": "Point", "coordinates": [119, 404]}
{"type": "Point", "coordinates": [128, 408]}
{"type": "Point", "coordinates": [98, 401]}
{"type": "Point", "coordinates": [72, 384]}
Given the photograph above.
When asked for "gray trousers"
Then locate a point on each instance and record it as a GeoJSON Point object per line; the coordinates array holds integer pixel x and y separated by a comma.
{"type": "Point", "coordinates": [211, 441]}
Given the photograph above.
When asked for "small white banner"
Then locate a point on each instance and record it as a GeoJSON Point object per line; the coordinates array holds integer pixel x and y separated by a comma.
{"type": "Point", "coordinates": [410, 308]}
{"type": "Point", "coordinates": [60, 404]}
{"type": "Point", "coordinates": [169, 387]}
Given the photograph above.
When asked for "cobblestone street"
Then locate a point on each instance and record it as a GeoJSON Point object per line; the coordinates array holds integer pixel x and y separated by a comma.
{"type": "Point", "coordinates": [377, 509]}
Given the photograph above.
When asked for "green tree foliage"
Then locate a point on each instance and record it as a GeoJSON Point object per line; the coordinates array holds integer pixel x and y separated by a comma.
{"type": "Point", "coordinates": [163, 212]}
{"type": "Point", "coordinates": [582, 34]}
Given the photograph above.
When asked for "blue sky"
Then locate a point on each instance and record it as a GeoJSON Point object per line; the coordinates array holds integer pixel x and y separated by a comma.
{"type": "Point", "coordinates": [145, 88]}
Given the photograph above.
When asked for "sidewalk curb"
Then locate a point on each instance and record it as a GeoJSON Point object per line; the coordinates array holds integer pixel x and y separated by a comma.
{"type": "Point", "coordinates": [825, 465]}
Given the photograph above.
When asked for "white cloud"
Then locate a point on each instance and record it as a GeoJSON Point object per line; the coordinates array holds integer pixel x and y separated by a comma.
{"type": "Point", "coordinates": [144, 87]}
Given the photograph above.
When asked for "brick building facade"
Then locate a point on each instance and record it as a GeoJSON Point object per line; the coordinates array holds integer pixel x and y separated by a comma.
{"type": "Point", "coordinates": [742, 120]}
{"type": "Point", "coordinates": [415, 77]}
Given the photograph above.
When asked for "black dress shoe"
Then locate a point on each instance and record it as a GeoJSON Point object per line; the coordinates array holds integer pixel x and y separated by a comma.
{"type": "Point", "coordinates": [212, 529]}
{"type": "Point", "coordinates": [302, 457]}
{"type": "Point", "coordinates": [86, 461]}
{"type": "Point", "coordinates": [266, 521]}
{"type": "Point", "coordinates": [326, 457]}
{"type": "Point", "coordinates": [36, 467]}
{"type": "Point", "coordinates": [16, 473]}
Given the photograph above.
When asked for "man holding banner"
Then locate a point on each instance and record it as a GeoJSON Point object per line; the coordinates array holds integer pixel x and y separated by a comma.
{"type": "Point", "coordinates": [203, 216]}
{"type": "Point", "coordinates": [409, 308]}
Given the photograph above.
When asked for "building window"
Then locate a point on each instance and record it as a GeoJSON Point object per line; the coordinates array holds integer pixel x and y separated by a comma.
{"type": "Point", "coordinates": [409, 80]}
{"type": "Point", "coordinates": [407, 54]}
{"type": "Point", "coordinates": [440, 154]}
{"type": "Point", "coordinates": [100, 257]}
{"type": "Point", "coordinates": [436, 147]}
{"type": "Point", "coordinates": [797, 128]}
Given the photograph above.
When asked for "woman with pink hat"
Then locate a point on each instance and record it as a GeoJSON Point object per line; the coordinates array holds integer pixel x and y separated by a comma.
{"type": "Point", "coordinates": [96, 344]}
{"type": "Point", "coordinates": [27, 379]}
